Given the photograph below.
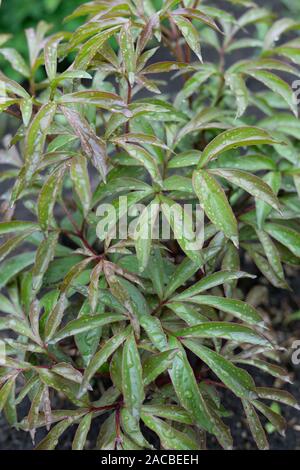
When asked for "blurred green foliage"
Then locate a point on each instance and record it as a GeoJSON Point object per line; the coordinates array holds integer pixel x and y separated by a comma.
{"type": "Point", "coordinates": [17, 15]}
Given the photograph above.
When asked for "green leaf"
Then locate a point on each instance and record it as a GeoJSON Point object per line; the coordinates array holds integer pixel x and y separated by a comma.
{"type": "Point", "coordinates": [274, 394]}
{"type": "Point", "coordinates": [278, 28]}
{"type": "Point", "coordinates": [55, 316]}
{"type": "Point", "coordinates": [51, 440]}
{"type": "Point", "coordinates": [85, 323]}
{"type": "Point", "coordinates": [16, 226]}
{"type": "Point", "coordinates": [16, 60]}
{"type": "Point", "coordinates": [250, 183]}
{"type": "Point", "coordinates": [144, 232]}
{"type": "Point", "coordinates": [237, 85]}
{"type": "Point", "coordinates": [128, 52]}
{"type": "Point", "coordinates": [255, 426]}
{"type": "Point", "coordinates": [285, 235]}
{"type": "Point", "coordinates": [17, 325]}
{"type": "Point", "coordinates": [48, 196]}
{"type": "Point", "coordinates": [234, 138]}
{"type": "Point", "coordinates": [132, 378]}
{"type": "Point", "coordinates": [272, 253]}
{"type": "Point", "coordinates": [148, 322]}
{"type": "Point", "coordinates": [196, 14]}
{"type": "Point", "coordinates": [275, 419]}
{"type": "Point", "coordinates": [187, 269]}
{"type": "Point", "coordinates": [101, 357]}
{"type": "Point", "coordinates": [230, 331]}
{"type": "Point", "coordinates": [277, 85]}
{"type": "Point", "coordinates": [36, 138]}
{"type": "Point", "coordinates": [101, 99]}
{"type": "Point", "coordinates": [236, 379]}
{"type": "Point", "coordinates": [5, 392]}
{"type": "Point", "coordinates": [156, 364]}
{"type": "Point", "coordinates": [189, 33]}
{"type": "Point", "coordinates": [12, 243]}
{"type": "Point", "coordinates": [273, 179]}
{"type": "Point", "coordinates": [91, 144]}
{"type": "Point", "coordinates": [210, 281]}
{"type": "Point", "coordinates": [169, 437]}
{"type": "Point", "coordinates": [14, 266]}
{"type": "Point", "coordinates": [216, 206]}
{"type": "Point", "coordinates": [190, 397]}
{"type": "Point", "coordinates": [44, 256]}
{"type": "Point", "coordinates": [170, 412]}
{"type": "Point", "coordinates": [50, 55]}
{"type": "Point", "coordinates": [82, 432]}
{"type": "Point", "coordinates": [11, 86]}
{"type": "Point", "coordinates": [190, 315]}
{"type": "Point", "coordinates": [91, 47]}
{"type": "Point", "coordinates": [272, 369]}
{"type": "Point", "coordinates": [186, 387]}
{"type": "Point", "coordinates": [237, 308]}
{"type": "Point", "coordinates": [132, 429]}
{"type": "Point", "coordinates": [182, 226]}
{"type": "Point", "coordinates": [145, 159]}
{"type": "Point", "coordinates": [80, 178]}
{"type": "Point", "coordinates": [26, 108]}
